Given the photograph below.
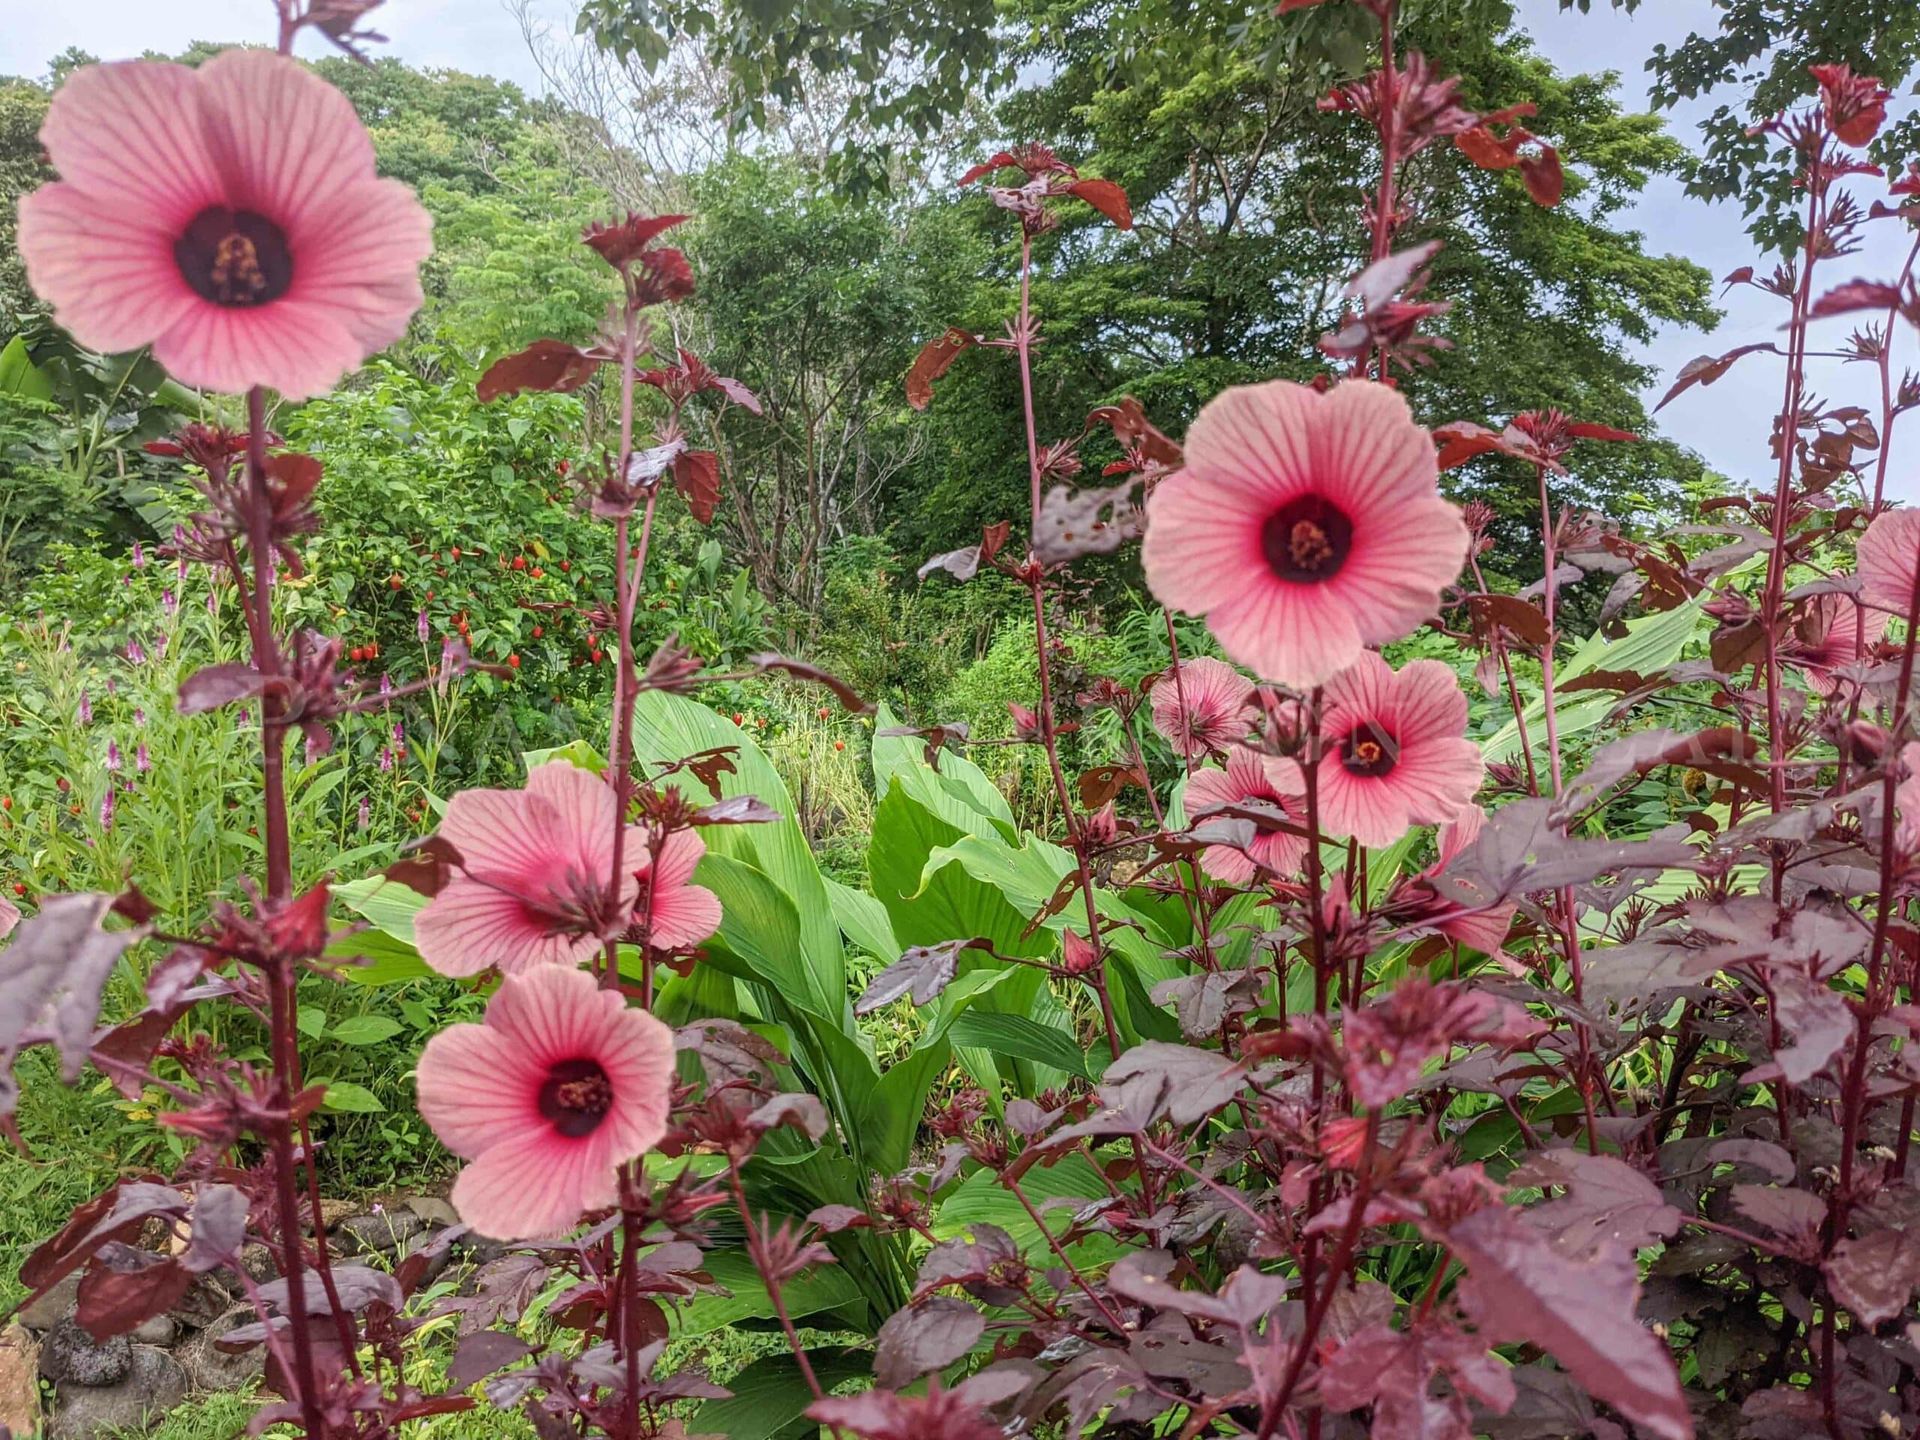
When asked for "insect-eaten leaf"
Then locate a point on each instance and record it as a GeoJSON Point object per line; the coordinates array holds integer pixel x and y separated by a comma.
{"type": "Point", "coordinates": [544, 365]}
{"type": "Point", "coordinates": [922, 971]}
{"type": "Point", "coordinates": [933, 361]}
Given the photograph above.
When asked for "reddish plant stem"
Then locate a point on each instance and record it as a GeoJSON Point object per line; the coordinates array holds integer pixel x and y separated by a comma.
{"type": "Point", "coordinates": [1387, 201]}
{"type": "Point", "coordinates": [1774, 594]}
{"type": "Point", "coordinates": [279, 973]}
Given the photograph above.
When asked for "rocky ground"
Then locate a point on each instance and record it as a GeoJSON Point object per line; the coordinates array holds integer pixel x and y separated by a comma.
{"type": "Point", "coordinates": [58, 1381]}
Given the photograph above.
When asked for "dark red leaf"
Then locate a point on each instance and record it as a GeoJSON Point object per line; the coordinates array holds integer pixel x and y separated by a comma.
{"type": "Point", "coordinates": [1546, 181]}
{"type": "Point", "coordinates": [1582, 1312]}
{"type": "Point", "coordinates": [1524, 621]}
{"type": "Point", "coordinates": [1705, 369]}
{"type": "Point", "coordinates": [126, 1286]}
{"type": "Point", "coordinates": [925, 1337]}
{"type": "Point", "coordinates": [696, 475]}
{"type": "Point", "coordinates": [215, 685]}
{"type": "Point", "coordinates": [1106, 197]}
{"type": "Point", "coordinates": [800, 670]}
{"type": "Point", "coordinates": [1103, 782]}
{"type": "Point", "coordinates": [544, 365]}
{"type": "Point", "coordinates": [481, 1354]}
{"type": "Point", "coordinates": [933, 361]}
{"type": "Point", "coordinates": [1874, 1275]}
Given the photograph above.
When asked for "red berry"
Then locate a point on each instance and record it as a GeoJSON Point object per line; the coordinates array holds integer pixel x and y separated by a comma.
{"type": "Point", "coordinates": [394, 582]}
{"type": "Point", "coordinates": [19, 888]}
{"type": "Point", "coordinates": [538, 573]}
{"type": "Point", "coordinates": [455, 552]}
{"type": "Point", "coordinates": [519, 562]}
{"type": "Point", "coordinates": [63, 785]}
{"type": "Point", "coordinates": [6, 802]}
{"type": "Point", "coordinates": [839, 744]}
{"type": "Point", "coordinates": [596, 657]}
{"type": "Point", "coordinates": [566, 565]}
{"type": "Point", "coordinates": [514, 661]}
{"type": "Point", "coordinates": [825, 713]}
{"type": "Point", "coordinates": [538, 631]}
{"type": "Point", "coordinates": [738, 717]}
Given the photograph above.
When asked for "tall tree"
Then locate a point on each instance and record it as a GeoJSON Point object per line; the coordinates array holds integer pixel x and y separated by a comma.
{"type": "Point", "coordinates": [1760, 52]}
{"type": "Point", "coordinates": [1247, 224]}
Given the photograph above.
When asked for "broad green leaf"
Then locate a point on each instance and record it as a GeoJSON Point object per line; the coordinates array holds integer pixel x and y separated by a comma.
{"type": "Point", "coordinates": [947, 905]}
{"type": "Point", "coordinates": [1651, 643]}
{"type": "Point", "coordinates": [347, 1099]}
{"type": "Point", "coordinates": [385, 904]}
{"type": "Point", "coordinates": [1018, 1036]}
{"type": "Point", "coordinates": [574, 752]}
{"type": "Point", "coordinates": [958, 792]}
{"type": "Point", "coordinates": [982, 1199]}
{"type": "Point", "coordinates": [761, 927]}
{"type": "Point", "coordinates": [770, 1397]}
{"type": "Point", "coordinates": [821, 1287]}
{"type": "Point", "coordinates": [669, 728]}
{"type": "Point", "coordinates": [19, 375]}
{"type": "Point", "coordinates": [888, 1116]}
{"type": "Point", "coordinates": [864, 921]}
{"type": "Point", "coordinates": [365, 1030]}
{"type": "Point", "coordinates": [387, 961]}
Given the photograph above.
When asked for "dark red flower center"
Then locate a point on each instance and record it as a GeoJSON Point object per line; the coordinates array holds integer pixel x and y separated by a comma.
{"type": "Point", "coordinates": [234, 257]}
{"type": "Point", "coordinates": [1307, 539]}
{"type": "Point", "coordinates": [1369, 750]}
{"type": "Point", "coordinates": [575, 1097]}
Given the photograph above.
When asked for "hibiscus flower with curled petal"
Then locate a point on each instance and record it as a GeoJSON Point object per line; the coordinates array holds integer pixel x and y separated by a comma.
{"type": "Point", "coordinates": [1394, 751]}
{"type": "Point", "coordinates": [561, 1085]}
{"type": "Point", "coordinates": [1304, 526]}
{"type": "Point", "coordinates": [228, 216]}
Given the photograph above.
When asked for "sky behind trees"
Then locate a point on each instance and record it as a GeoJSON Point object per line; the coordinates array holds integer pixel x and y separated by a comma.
{"type": "Point", "coordinates": [484, 36]}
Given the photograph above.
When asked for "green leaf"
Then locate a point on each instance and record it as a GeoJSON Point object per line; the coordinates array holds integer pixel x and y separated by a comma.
{"type": "Point", "coordinates": [311, 1021]}
{"type": "Point", "coordinates": [863, 919]}
{"type": "Point", "coordinates": [1022, 1038]}
{"type": "Point", "coordinates": [385, 904]}
{"type": "Point", "coordinates": [365, 1030]}
{"type": "Point", "coordinates": [820, 1287]}
{"type": "Point", "coordinates": [387, 961]}
{"type": "Point", "coordinates": [670, 727]}
{"type": "Point", "coordinates": [19, 375]}
{"type": "Point", "coordinates": [1651, 643]}
{"type": "Point", "coordinates": [770, 1397]}
{"type": "Point", "coordinates": [347, 1099]}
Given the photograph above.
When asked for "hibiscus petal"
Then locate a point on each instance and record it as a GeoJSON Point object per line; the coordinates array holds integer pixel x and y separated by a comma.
{"type": "Point", "coordinates": [129, 134]}
{"type": "Point", "coordinates": [108, 273]}
{"type": "Point", "coordinates": [477, 1091]}
{"type": "Point", "coordinates": [532, 1188]}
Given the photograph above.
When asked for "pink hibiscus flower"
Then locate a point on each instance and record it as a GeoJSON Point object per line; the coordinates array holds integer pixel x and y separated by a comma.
{"type": "Point", "coordinates": [679, 913]}
{"type": "Point", "coordinates": [1834, 631]}
{"type": "Point", "coordinates": [227, 216]}
{"type": "Point", "coordinates": [560, 1086]}
{"type": "Point", "coordinates": [1906, 803]}
{"type": "Point", "coordinates": [1482, 930]}
{"type": "Point", "coordinates": [1304, 526]}
{"type": "Point", "coordinates": [535, 869]}
{"type": "Point", "coordinates": [1250, 776]}
{"type": "Point", "coordinates": [1217, 697]}
{"type": "Point", "coordinates": [1395, 752]}
{"type": "Point", "coordinates": [1889, 561]}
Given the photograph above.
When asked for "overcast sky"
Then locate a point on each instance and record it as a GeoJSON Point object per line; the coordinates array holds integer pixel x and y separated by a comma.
{"type": "Point", "coordinates": [1728, 423]}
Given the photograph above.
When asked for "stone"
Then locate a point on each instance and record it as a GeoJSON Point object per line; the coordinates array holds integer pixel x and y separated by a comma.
{"type": "Point", "coordinates": [257, 1260]}
{"type": "Point", "coordinates": [436, 1212]}
{"type": "Point", "coordinates": [377, 1234]}
{"type": "Point", "coordinates": [19, 1381]}
{"type": "Point", "coordinates": [332, 1212]}
{"type": "Point", "coordinates": [71, 1357]}
{"type": "Point", "coordinates": [54, 1306]}
{"type": "Point", "coordinates": [211, 1368]}
{"type": "Point", "coordinates": [205, 1301]}
{"type": "Point", "coordinates": [161, 1330]}
{"type": "Point", "coordinates": [154, 1384]}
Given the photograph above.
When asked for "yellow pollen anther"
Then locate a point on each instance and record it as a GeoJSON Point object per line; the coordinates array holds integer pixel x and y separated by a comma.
{"type": "Point", "coordinates": [236, 274]}
{"type": "Point", "coordinates": [1308, 545]}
